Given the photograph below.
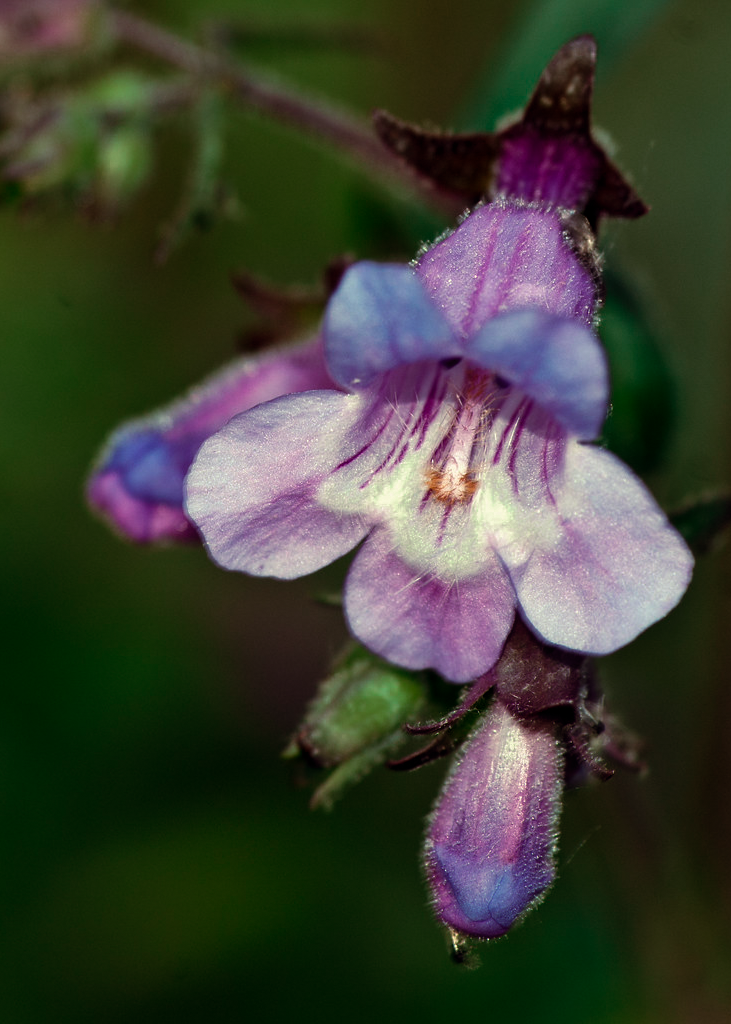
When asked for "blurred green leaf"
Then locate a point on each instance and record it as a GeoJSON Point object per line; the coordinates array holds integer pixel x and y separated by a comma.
{"type": "Point", "coordinates": [542, 27]}
{"type": "Point", "coordinates": [642, 408]}
{"type": "Point", "coordinates": [703, 522]}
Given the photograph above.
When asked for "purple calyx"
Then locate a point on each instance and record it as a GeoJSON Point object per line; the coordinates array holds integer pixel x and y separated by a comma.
{"type": "Point", "coordinates": [548, 155]}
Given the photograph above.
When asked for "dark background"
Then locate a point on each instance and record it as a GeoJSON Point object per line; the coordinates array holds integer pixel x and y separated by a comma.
{"type": "Point", "coordinates": [158, 864]}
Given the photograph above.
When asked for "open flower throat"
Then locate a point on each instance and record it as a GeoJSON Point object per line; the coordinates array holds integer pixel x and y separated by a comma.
{"type": "Point", "coordinates": [461, 425]}
{"type": "Point", "coordinates": [489, 422]}
{"type": "Point", "coordinates": [455, 470]}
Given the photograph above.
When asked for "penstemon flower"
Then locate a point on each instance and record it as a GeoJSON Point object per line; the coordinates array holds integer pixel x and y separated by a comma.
{"type": "Point", "coordinates": [474, 381]}
{"type": "Point", "coordinates": [491, 841]}
{"type": "Point", "coordinates": [459, 454]}
{"type": "Point", "coordinates": [138, 482]}
{"type": "Point", "coordinates": [444, 423]}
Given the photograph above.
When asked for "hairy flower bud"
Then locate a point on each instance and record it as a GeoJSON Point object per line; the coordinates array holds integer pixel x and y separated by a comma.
{"type": "Point", "coordinates": [491, 840]}
{"type": "Point", "coordinates": [138, 482]}
{"type": "Point", "coordinates": [355, 721]}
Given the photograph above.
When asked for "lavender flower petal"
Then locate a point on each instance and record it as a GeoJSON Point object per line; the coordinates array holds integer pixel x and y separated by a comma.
{"type": "Point", "coordinates": [558, 362]}
{"type": "Point", "coordinates": [252, 487]}
{"type": "Point", "coordinates": [507, 256]}
{"type": "Point", "coordinates": [610, 566]}
{"type": "Point", "coordinates": [421, 621]}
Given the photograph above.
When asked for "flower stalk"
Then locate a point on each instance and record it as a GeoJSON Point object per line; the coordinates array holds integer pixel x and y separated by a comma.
{"type": "Point", "coordinates": [312, 116]}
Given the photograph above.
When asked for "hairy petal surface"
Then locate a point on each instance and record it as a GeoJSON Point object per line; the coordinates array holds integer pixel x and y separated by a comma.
{"type": "Point", "coordinates": [421, 621]}
{"type": "Point", "coordinates": [610, 567]}
{"type": "Point", "coordinates": [506, 255]}
{"type": "Point", "coordinates": [492, 837]}
{"type": "Point", "coordinates": [252, 487]}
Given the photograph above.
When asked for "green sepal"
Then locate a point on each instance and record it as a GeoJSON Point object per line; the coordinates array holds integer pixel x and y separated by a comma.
{"type": "Point", "coordinates": [356, 720]}
{"type": "Point", "coordinates": [353, 770]}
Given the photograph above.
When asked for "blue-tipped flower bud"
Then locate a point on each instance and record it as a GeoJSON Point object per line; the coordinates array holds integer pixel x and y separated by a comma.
{"type": "Point", "coordinates": [492, 837]}
{"type": "Point", "coordinates": [138, 482]}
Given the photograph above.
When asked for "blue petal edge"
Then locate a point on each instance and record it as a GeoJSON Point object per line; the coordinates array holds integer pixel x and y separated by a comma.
{"type": "Point", "coordinates": [555, 360]}
{"type": "Point", "coordinates": [380, 317]}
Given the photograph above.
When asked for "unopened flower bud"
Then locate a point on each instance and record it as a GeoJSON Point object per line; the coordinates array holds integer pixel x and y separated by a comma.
{"type": "Point", "coordinates": [492, 837]}
{"type": "Point", "coordinates": [138, 483]}
{"type": "Point", "coordinates": [355, 721]}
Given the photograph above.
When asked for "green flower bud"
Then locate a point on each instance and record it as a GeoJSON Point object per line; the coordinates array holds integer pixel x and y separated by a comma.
{"type": "Point", "coordinates": [356, 720]}
{"type": "Point", "coordinates": [124, 163]}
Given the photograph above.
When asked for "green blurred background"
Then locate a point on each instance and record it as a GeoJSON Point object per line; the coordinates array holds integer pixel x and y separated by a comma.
{"type": "Point", "coordinates": [158, 863]}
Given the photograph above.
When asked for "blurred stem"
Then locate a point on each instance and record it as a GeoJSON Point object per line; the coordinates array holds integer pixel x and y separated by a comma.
{"type": "Point", "coordinates": [294, 108]}
{"type": "Point", "coordinates": [200, 201]}
{"type": "Point", "coordinates": [230, 34]}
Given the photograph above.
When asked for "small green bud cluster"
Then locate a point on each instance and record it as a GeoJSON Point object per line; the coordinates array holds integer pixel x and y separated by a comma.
{"type": "Point", "coordinates": [92, 146]}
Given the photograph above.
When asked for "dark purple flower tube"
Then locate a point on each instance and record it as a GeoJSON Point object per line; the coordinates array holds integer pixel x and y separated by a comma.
{"type": "Point", "coordinates": [138, 484]}
{"type": "Point", "coordinates": [492, 837]}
